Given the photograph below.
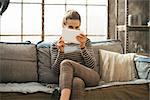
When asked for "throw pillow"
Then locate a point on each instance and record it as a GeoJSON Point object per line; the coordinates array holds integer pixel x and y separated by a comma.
{"type": "Point", "coordinates": [46, 75]}
{"type": "Point", "coordinates": [115, 66]}
{"type": "Point", "coordinates": [18, 62]}
{"type": "Point", "coordinates": [110, 45]}
{"type": "Point", "coordinates": [143, 67]}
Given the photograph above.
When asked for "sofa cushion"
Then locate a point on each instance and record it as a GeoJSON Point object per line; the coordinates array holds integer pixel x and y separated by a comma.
{"type": "Point", "coordinates": [18, 62]}
{"type": "Point", "coordinates": [143, 67]}
{"type": "Point", "coordinates": [46, 75]}
{"type": "Point", "coordinates": [110, 45]}
{"type": "Point", "coordinates": [116, 67]}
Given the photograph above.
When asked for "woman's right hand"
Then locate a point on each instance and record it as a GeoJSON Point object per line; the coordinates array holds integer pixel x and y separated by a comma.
{"type": "Point", "coordinates": [61, 44]}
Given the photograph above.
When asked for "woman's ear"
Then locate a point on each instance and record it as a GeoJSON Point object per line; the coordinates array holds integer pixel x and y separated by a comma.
{"type": "Point", "coordinates": [63, 25]}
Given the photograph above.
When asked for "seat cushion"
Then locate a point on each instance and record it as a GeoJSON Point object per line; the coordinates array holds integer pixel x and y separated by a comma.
{"type": "Point", "coordinates": [18, 62]}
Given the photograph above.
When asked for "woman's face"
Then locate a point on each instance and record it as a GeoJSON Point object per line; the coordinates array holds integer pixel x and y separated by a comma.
{"type": "Point", "coordinates": [72, 24]}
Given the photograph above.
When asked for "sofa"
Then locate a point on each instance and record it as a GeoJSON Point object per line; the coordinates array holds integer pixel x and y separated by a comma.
{"type": "Point", "coordinates": [25, 73]}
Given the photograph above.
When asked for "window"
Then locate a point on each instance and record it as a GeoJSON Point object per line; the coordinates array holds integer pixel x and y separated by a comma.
{"type": "Point", "coordinates": [22, 20]}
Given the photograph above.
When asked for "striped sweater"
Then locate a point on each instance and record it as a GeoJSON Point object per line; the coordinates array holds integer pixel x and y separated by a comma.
{"type": "Point", "coordinates": [73, 52]}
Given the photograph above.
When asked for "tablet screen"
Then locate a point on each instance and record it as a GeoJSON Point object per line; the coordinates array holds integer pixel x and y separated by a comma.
{"type": "Point", "coordinates": [69, 35]}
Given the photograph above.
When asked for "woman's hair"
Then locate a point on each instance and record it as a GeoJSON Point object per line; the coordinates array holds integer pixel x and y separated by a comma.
{"type": "Point", "coordinates": [71, 14]}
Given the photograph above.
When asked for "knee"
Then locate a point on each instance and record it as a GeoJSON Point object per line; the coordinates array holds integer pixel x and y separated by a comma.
{"type": "Point", "coordinates": [78, 83]}
{"type": "Point", "coordinates": [64, 62]}
{"type": "Point", "coordinates": [65, 65]}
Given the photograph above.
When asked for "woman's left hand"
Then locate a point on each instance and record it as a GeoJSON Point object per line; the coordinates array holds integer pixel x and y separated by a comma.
{"type": "Point", "coordinates": [82, 39]}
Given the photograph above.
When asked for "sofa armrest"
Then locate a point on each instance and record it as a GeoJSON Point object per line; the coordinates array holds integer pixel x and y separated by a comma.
{"type": "Point", "coordinates": [115, 84]}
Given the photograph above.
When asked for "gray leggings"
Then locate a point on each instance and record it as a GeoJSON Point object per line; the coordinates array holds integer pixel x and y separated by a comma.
{"type": "Point", "coordinates": [71, 71]}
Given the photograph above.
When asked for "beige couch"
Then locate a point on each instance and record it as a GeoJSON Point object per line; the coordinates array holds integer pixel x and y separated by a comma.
{"type": "Point", "coordinates": [25, 74]}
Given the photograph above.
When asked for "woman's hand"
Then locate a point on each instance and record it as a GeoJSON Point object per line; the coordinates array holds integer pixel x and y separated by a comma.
{"type": "Point", "coordinates": [82, 39]}
{"type": "Point", "coordinates": [60, 44]}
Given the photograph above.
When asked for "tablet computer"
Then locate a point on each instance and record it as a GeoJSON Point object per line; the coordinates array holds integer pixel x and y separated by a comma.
{"type": "Point", "coordinates": [69, 35]}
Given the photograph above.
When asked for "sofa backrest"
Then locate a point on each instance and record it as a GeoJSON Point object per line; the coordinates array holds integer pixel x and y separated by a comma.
{"type": "Point", "coordinates": [24, 62]}
{"type": "Point", "coordinates": [44, 60]}
{"type": "Point", "coordinates": [18, 62]}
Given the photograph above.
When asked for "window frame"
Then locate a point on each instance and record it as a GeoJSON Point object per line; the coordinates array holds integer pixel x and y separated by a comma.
{"type": "Point", "coordinates": [43, 35]}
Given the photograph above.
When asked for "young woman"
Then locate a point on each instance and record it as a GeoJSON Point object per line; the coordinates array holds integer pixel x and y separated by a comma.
{"type": "Point", "coordinates": [77, 66]}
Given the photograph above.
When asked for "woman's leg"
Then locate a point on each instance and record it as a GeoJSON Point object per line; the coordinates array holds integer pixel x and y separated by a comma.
{"type": "Point", "coordinates": [78, 86]}
{"type": "Point", "coordinates": [70, 69]}
{"type": "Point", "coordinates": [77, 92]}
{"type": "Point", "coordinates": [65, 94]}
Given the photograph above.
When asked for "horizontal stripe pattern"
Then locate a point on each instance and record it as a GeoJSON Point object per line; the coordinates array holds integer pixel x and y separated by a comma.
{"type": "Point", "coordinates": [83, 56]}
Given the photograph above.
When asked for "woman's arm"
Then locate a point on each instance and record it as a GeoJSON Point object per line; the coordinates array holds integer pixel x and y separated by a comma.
{"type": "Point", "coordinates": [56, 58]}
{"type": "Point", "coordinates": [88, 55]}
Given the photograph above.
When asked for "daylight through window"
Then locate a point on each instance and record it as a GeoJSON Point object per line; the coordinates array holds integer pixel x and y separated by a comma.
{"type": "Point", "coordinates": [22, 21]}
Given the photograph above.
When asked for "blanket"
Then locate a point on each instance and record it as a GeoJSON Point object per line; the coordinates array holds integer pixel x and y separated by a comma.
{"type": "Point", "coordinates": [30, 87]}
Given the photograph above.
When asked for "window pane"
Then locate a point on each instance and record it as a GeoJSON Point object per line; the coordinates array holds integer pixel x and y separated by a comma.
{"type": "Point", "coordinates": [32, 39]}
{"type": "Point", "coordinates": [97, 21]}
{"type": "Point", "coordinates": [15, 0]}
{"type": "Point", "coordinates": [54, 1]}
{"type": "Point", "coordinates": [53, 19]}
{"type": "Point", "coordinates": [32, 16]}
{"type": "Point", "coordinates": [11, 20]}
{"type": "Point", "coordinates": [33, 1]}
{"type": "Point", "coordinates": [103, 2]}
{"type": "Point", "coordinates": [76, 1]}
{"type": "Point", "coordinates": [97, 38]}
{"type": "Point", "coordinates": [51, 38]}
{"type": "Point", "coordinates": [10, 38]}
{"type": "Point", "coordinates": [82, 11]}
